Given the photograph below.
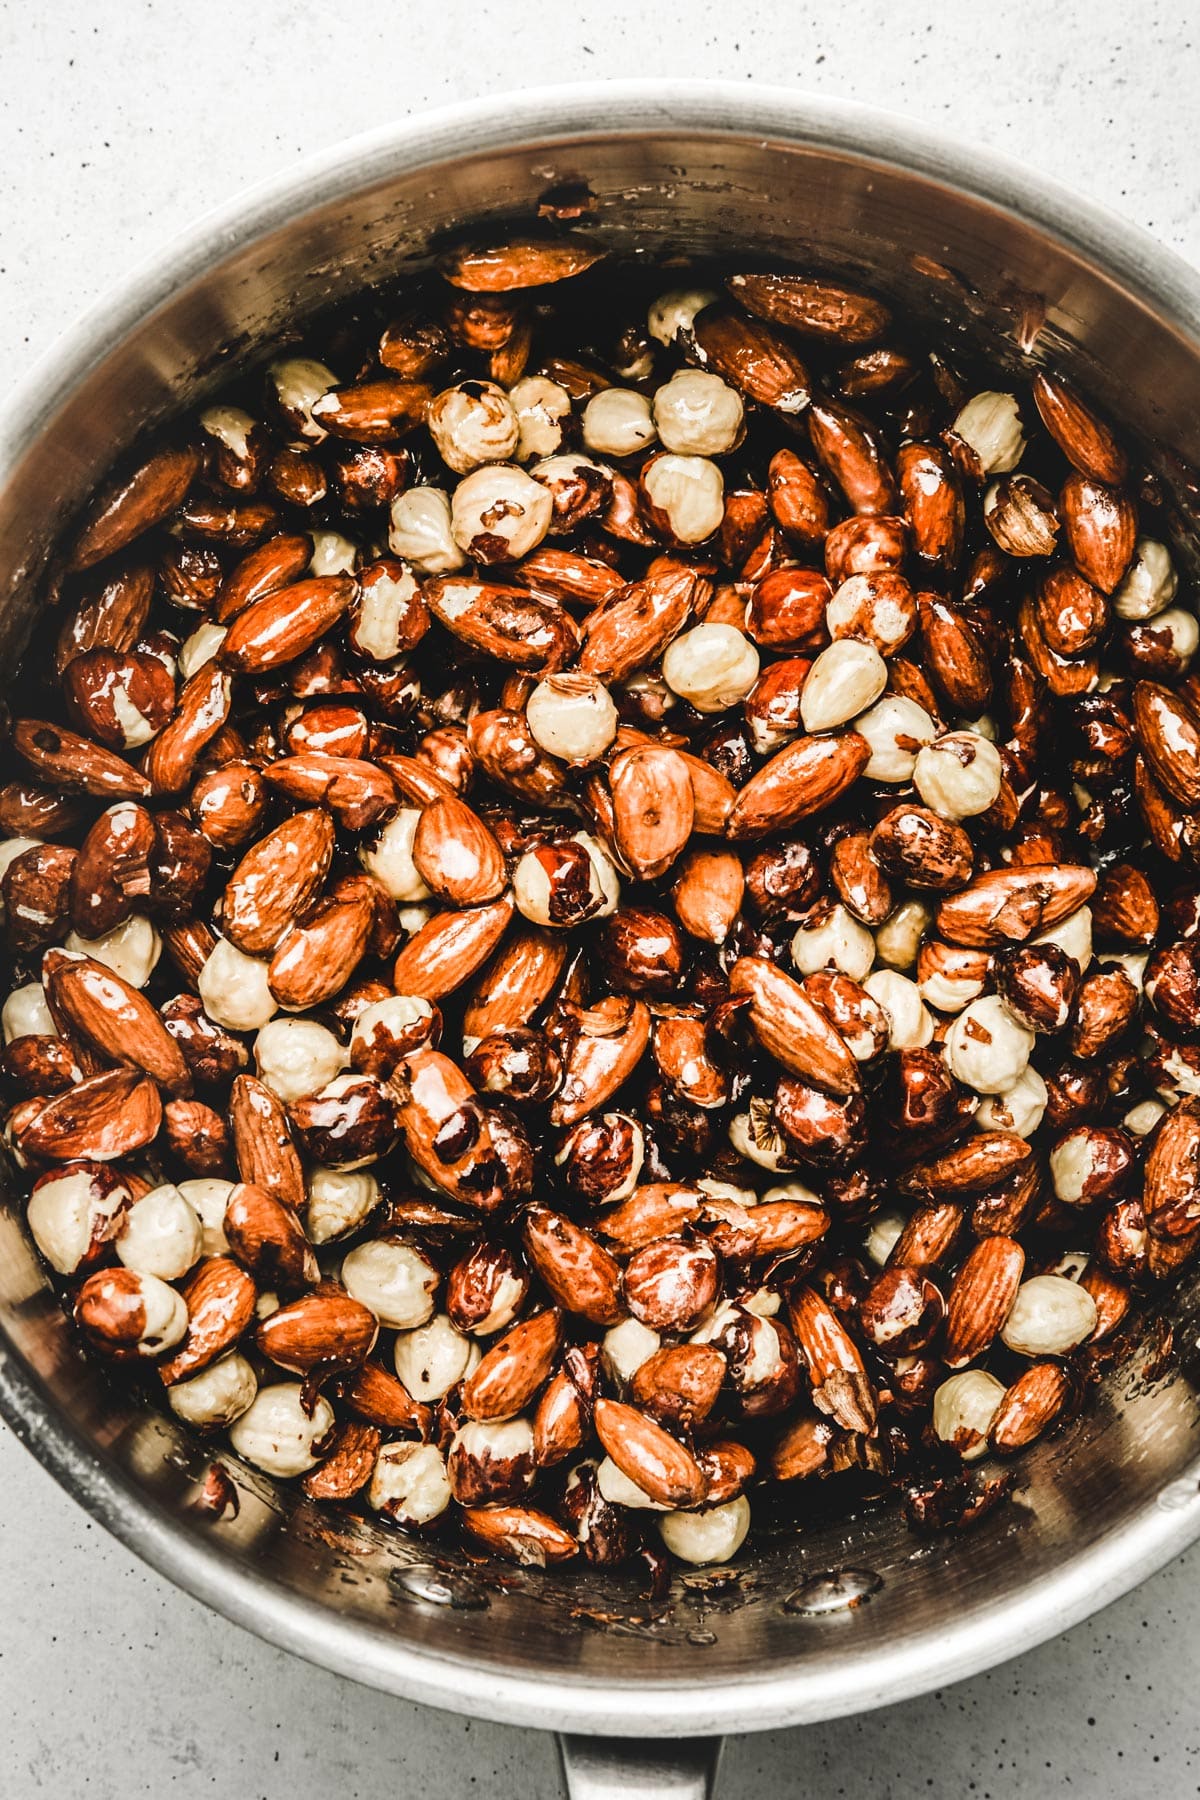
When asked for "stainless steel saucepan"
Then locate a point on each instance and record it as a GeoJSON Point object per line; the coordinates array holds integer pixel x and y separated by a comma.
{"type": "Point", "coordinates": [965, 239]}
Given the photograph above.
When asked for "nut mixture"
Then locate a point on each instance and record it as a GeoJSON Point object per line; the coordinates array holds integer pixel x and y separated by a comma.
{"type": "Point", "coordinates": [604, 911]}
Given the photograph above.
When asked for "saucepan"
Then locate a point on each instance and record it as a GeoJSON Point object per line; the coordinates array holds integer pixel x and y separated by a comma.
{"type": "Point", "coordinates": [837, 1616]}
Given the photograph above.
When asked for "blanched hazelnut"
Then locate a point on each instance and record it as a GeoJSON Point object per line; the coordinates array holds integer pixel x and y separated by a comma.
{"type": "Point", "coordinates": [1072, 934]}
{"type": "Point", "coordinates": [217, 1396]}
{"type": "Point", "coordinates": [431, 1358]}
{"type": "Point", "coordinates": [1020, 1110]}
{"type": "Point", "coordinates": [199, 649]}
{"type": "Point", "coordinates": [410, 1484]}
{"type": "Point", "coordinates": [419, 530]}
{"type": "Point", "coordinates": [710, 1536]}
{"type": "Point", "coordinates": [131, 949]}
{"type": "Point", "coordinates": [26, 1014]}
{"type": "Point", "coordinates": [562, 885]}
{"type": "Point", "coordinates": [339, 1201]}
{"type": "Point", "coordinates": [472, 424]}
{"type": "Point", "coordinates": [208, 1197]}
{"type": "Point", "coordinates": [674, 311]}
{"type": "Point", "coordinates": [299, 382]}
{"type": "Point", "coordinates": [72, 1212]}
{"type": "Point", "coordinates": [990, 425]}
{"type": "Point", "coordinates": [277, 1432]}
{"type": "Point", "coordinates": [898, 939]}
{"type": "Point", "coordinates": [125, 1312]}
{"type": "Point", "coordinates": [964, 1410]}
{"type": "Point", "coordinates": [712, 667]}
{"type": "Point", "coordinates": [160, 1234]}
{"type": "Point", "coordinates": [909, 1019]}
{"type": "Point", "coordinates": [698, 414]}
{"type": "Point", "coordinates": [958, 775]}
{"type": "Point", "coordinates": [296, 1057]}
{"type": "Point", "coordinates": [390, 858]}
{"type": "Point", "coordinates": [883, 1236]}
{"type": "Point", "coordinates": [833, 937]}
{"type": "Point", "coordinates": [394, 1280]}
{"type": "Point", "coordinates": [500, 513]}
{"type": "Point", "coordinates": [572, 716]}
{"type": "Point", "coordinates": [1149, 584]}
{"type": "Point", "coordinates": [617, 422]}
{"type": "Point", "coordinates": [387, 614]}
{"type": "Point", "coordinates": [1050, 1316]}
{"type": "Point", "coordinates": [333, 554]}
{"type": "Point", "coordinates": [895, 728]}
{"type": "Point", "coordinates": [541, 405]}
{"type": "Point", "coordinates": [845, 680]}
{"type": "Point", "coordinates": [626, 1347]}
{"type": "Point", "coordinates": [685, 496]}
{"type": "Point", "coordinates": [986, 1048]}
{"type": "Point", "coordinates": [235, 989]}
{"type": "Point", "coordinates": [617, 1488]}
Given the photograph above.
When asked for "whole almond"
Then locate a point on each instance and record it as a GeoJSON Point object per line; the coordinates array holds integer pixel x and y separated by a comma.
{"type": "Point", "coordinates": [104, 1118]}
{"type": "Point", "coordinates": [518, 262]}
{"type": "Point", "coordinates": [283, 624]}
{"type": "Point", "coordinates": [520, 978]}
{"type": "Point", "coordinates": [679, 1383]}
{"type": "Point", "coordinates": [450, 948]}
{"type": "Point", "coordinates": [456, 855]}
{"type": "Point", "coordinates": [358, 794]}
{"type": "Point", "coordinates": [849, 450]}
{"type": "Point", "coordinates": [267, 1237]}
{"type": "Point", "coordinates": [324, 1329]}
{"type": "Point", "coordinates": [114, 1017]}
{"type": "Point", "coordinates": [751, 357]}
{"type": "Point", "coordinates": [220, 1301]}
{"type": "Point", "coordinates": [153, 490]}
{"type": "Point", "coordinates": [981, 1297]}
{"type": "Point", "coordinates": [69, 761]}
{"type": "Point", "coordinates": [802, 779]}
{"type": "Point", "coordinates": [650, 1457]}
{"type": "Point", "coordinates": [262, 1141]}
{"type": "Point", "coordinates": [202, 710]}
{"type": "Point", "coordinates": [818, 308]}
{"type": "Point", "coordinates": [708, 893]}
{"type": "Point", "coordinates": [791, 1029]}
{"type": "Point", "coordinates": [1171, 1189]}
{"type": "Point", "coordinates": [1030, 1406]}
{"type": "Point", "coordinates": [840, 1385]}
{"type": "Point", "coordinates": [1012, 905]}
{"type": "Point", "coordinates": [513, 1370]}
{"type": "Point", "coordinates": [582, 1276]}
{"type": "Point", "coordinates": [653, 808]}
{"type": "Point", "coordinates": [636, 624]}
{"type": "Point", "coordinates": [970, 1167]}
{"type": "Point", "coordinates": [382, 1399]}
{"type": "Point", "coordinates": [1082, 437]}
{"type": "Point", "coordinates": [610, 1042]}
{"type": "Point", "coordinates": [276, 880]}
{"type": "Point", "coordinates": [111, 614]}
{"type": "Point", "coordinates": [505, 622]}
{"type": "Point", "coordinates": [1101, 527]}
{"type": "Point", "coordinates": [933, 504]}
{"type": "Point", "coordinates": [276, 564]}
{"type": "Point", "coordinates": [376, 411]}
{"type": "Point", "coordinates": [520, 1534]}
{"type": "Point", "coordinates": [955, 655]}
{"type": "Point", "coordinates": [316, 957]}
{"type": "Point", "coordinates": [1168, 728]}
{"type": "Point", "coordinates": [655, 1210]}
{"type": "Point", "coordinates": [346, 1468]}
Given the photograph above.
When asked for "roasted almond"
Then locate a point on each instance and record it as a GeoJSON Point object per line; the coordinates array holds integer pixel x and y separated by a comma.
{"type": "Point", "coordinates": [820, 309]}
{"type": "Point", "coordinates": [651, 1458]}
{"type": "Point", "coordinates": [124, 512]}
{"type": "Point", "coordinates": [752, 358]}
{"type": "Point", "coordinates": [981, 1297]}
{"type": "Point", "coordinates": [450, 948]}
{"type": "Point", "coordinates": [284, 623]}
{"type": "Point", "coordinates": [791, 1029]}
{"type": "Point", "coordinates": [267, 1237]}
{"type": "Point", "coordinates": [580, 1274]}
{"type": "Point", "coordinates": [521, 262]}
{"type": "Point", "coordinates": [1012, 905]}
{"type": "Point", "coordinates": [104, 1118]}
{"type": "Point", "coordinates": [653, 808]}
{"type": "Point", "coordinates": [802, 779]}
{"type": "Point", "coordinates": [276, 880]}
{"type": "Point", "coordinates": [262, 1141]}
{"type": "Point", "coordinates": [513, 1370]}
{"type": "Point", "coordinates": [1082, 437]}
{"type": "Point", "coordinates": [114, 1017]}
{"type": "Point", "coordinates": [456, 855]}
{"type": "Point", "coordinates": [324, 1329]}
{"type": "Point", "coordinates": [505, 622]}
{"type": "Point", "coordinates": [72, 762]}
{"type": "Point", "coordinates": [220, 1301]}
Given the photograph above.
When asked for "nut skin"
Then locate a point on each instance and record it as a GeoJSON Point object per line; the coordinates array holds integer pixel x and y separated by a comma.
{"type": "Point", "coordinates": [1040, 985]}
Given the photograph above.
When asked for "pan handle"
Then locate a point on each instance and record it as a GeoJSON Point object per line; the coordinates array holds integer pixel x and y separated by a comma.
{"type": "Point", "coordinates": [609, 1768]}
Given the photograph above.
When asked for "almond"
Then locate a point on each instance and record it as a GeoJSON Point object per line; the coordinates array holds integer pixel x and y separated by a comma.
{"type": "Point", "coordinates": [650, 1457]}
{"type": "Point", "coordinates": [520, 1534]}
{"type": "Point", "coordinates": [970, 1167]}
{"type": "Point", "coordinates": [1101, 527]}
{"type": "Point", "coordinates": [656, 1210]}
{"type": "Point", "coordinates": [1168, 728]}
{"type": "Point", "coordinates": [69, 761]}
{"type": "Point", "coordinates": [513, 1370]}
{"type": "Point", "coordinates": [202, 711]}
{"type": "Point", "coordinates": [357, 793]}
{"type": "Point", "coordinates": [276, 564]}
{"type": "Point", "coordinates": [114, 1017]}
{"type": "Point", "coordinates": [347, 1466]}
{"type": "Point", "coordinates": [267, 1237]}
{"type": "Point", "coordinates": [112, 615]}
{"type": "Point", "coordinates": [1171, 1190]}
{"type": "Point", "coordinates": [1082, 437]}
{"type": "Point", "coordinates": [316, 957]}
{"type": "Point", "coordinates": [383, 1399]}
{"type": "Point", "coordinates": [818, 308]}
{"type": "Point", "coordinates": [802, 779]}
{"type": "Point", "coordinates": [609, 1042]}
{"type": "Point", "coordinates": [518, 263]}
{"type": "Point", "coordinates": [374, 412]}
{"type": "Point", "coordinates": [276, 880]}
{"type": "Point", "coordinates": [840, 1385]}
{"type": "Point", "coordinates": [1012, 905]}
{"type": "Point", "coordinates": [456, 855]}
{"type": "Point", "coordinates": [849, 450]}
{"type": "Point", "coordinates": [518, 980]}
{"type": "Point", "coordinates": [505, 622]}
{"type": "Point", "coordinates": [325, 1329]}
{"type": "Point", "coordinates": [708, 893]}
{"type": "Point", "coordinates": [932, 498]}
{"type": "Point", "coordinates": [791, 1029]}
{"type": "Point", "coordinates": [653, 808]}
{"type": "Point", "coordinates": [449, 948]}
{"type": "Point", "coordinates": [581, 1276]}
{"type": "Point", "coordinates": [981, 1298]}
{"type": "Point", "coordinates": [122, 514]}
{"type": "Point", "coordinates": [284, 623]}
{"type": "Point", "coordinates": [956, 655]}
{"type": "Point", "coordinates": [1030, 1406]}
{"type": "Point", "coordinates": [103, 1118]}
{"type": "Point", "coordinates": [262, 1141]}
{"type": "Point", "coordinates": [752, 358]}
{"type": "Point", "coordinates": [1071, 614]}
{"type": "Point", "coordinates": [220, 1302]}
{"type": "Point", "coordinates": [635, 625]}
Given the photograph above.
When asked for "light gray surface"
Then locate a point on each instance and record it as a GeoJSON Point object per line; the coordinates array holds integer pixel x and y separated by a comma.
{"type": "Point", "coordinates": [115, 130]}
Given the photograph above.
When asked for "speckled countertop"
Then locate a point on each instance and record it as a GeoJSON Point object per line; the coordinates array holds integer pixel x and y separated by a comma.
{"type": "Point", "coordinates": [119, 122]}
